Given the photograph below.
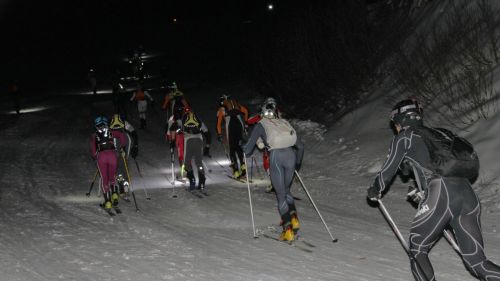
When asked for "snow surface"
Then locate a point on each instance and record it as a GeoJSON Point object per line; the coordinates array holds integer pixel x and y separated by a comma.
{"type": "Point", "coordinates": [51, 231]}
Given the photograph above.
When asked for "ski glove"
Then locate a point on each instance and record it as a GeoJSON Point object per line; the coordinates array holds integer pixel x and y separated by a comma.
{"type": "Point", "coordinates": [134, 151]}
{"type": "Point", "coordinates": [374, 193]}
{"type": "Point", "coordinates": [414, 194]}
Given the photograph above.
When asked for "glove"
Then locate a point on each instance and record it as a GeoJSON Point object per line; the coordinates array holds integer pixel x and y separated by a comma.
{"type": "Point", "coordinates": [219, 138]}
{"type": "Point", "coordinates": [206, 151]}
{"type": "Point", "coordinates": [414, 194]}
{"type": "Point", "coordinates": [374, 194]}
{"type": "Point", "coordinates": [134, 151]}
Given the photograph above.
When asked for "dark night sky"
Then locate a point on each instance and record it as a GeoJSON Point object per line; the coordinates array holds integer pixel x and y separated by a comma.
{"type": "Point", "coordinates": [57, 38]}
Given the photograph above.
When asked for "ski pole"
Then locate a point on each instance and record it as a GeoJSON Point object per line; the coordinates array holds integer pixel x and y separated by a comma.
{"type": "Point", "coordinates": [130, 183]}
{"type": "Point", "coordinates": [92, 184]}
{"type": "Point", "coordinates": [142, 178]}
{"type": "Point", "coordinates": [174, 195]}
{"type": "Point", "coordinates": [400, 238]}
{"type": "Point", "coordinates": [250, 199]}
{"type": "Point", "coordinates": [334, 240]}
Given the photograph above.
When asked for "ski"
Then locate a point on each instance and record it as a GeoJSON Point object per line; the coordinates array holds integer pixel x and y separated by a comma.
{"type": "Point", "coordinates": [195, 193]}
{"type": "Point", "coordinates": [204, 192]}
{"type": "Point", "coordinates": [297, 238]}
{"type": "Point", "coordinates": [301, 239]}
{"type": "Point", "coordinates": [238, 179]}
{"type": "Point", "coordinates": [109, 211]}
{"type": "Point", "coordinates": [291, 243]}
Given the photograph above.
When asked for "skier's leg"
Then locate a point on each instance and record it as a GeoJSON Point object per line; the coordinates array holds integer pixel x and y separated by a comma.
{"type": "Point", "coordinates": [467, 229]}
{"type": "Point", "coordinates": [289, 173]}
{"type": "Point", "coordinates": [427, 227]}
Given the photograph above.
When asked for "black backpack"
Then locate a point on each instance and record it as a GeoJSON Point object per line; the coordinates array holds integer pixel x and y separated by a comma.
{"type": "Point", "coordinates": [451, 155]}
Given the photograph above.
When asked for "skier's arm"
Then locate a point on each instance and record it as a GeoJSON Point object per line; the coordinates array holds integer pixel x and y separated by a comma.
{"type": "Point", "coordinates": [299, 153]}
{"type": "Point", "coordinates": [166, 101]}
{"type": "Point", "coordinates": [396, 155]}
{"type": "Point", "coordinates": [244, 110]}
{"type": "Point", "coordinates": [220, 118]}
{"type": "Point", "coordinates": [257, 132]}
{"type": "Point", "coordinates": [146, 93]}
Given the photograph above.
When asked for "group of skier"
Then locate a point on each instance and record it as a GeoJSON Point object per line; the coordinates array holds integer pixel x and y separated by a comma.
{"type": "Point", "coordinates": [446, 201]}
{"type": "Point", "coordinates": [188, 137]}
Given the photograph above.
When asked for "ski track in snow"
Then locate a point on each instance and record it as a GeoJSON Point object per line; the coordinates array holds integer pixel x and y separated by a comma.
{"type": "Point", "coordinates": [52, 231]}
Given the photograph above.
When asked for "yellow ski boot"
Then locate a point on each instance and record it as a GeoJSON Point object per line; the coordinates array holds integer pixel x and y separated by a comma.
{"type": "Point", "coordinates": [287, 234]}
{"type": "Point", "coordinates": [295, 223]}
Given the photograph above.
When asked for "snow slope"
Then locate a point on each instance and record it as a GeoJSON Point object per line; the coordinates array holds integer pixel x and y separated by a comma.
{"type": "Point", "coordinates": [51, 231]}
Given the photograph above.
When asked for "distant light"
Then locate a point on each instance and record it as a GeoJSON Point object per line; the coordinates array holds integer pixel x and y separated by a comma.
{"type": "Point", "coordinates": [174, 20]}
{"type": "Point", "coordinates": [270, 7]}
{"type": "Point", "coordinates": [29, 110]}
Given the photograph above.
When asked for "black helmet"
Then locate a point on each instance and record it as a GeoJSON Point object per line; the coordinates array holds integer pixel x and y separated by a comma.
{"type": "Point", "coordinates": [407, 113]}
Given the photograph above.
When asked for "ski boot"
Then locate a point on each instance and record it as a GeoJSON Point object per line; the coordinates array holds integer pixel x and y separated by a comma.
{"type": "Point", "coordinates": [295, 223]}
{"type": "Point", "coordinates": [107, 201]}
{"type": "Point", "coordinates": [192, 180]}
{"type": "Point", "coordinates": [287, 233]}
{"type": "Point", "coordinates": [243, 170]}
{"type": "Point", "coordinates": [114, 195]}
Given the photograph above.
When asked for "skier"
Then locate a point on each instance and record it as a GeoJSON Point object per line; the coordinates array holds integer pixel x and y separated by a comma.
{"type": "Point", "coordinates": [285, 152]}
{"type": "Point", "coordinates": [131, 149]}
{"type": "Point", "coordinates": [174, 103]}
{"type": "Point", "coordinates": [195, 132]}
{"type": "Point", "coordinates": [118, 95]}
{"type": "Point", "coordinates": [141, 96]}
{"type": "Point", "coordinates": [265, 154]}
{"type": "Point", "coordinates": [447, 202]}
{"type": "Point", "coordinates": [103, 149]}
{"type": "Point", "coordinates": [234, 116]}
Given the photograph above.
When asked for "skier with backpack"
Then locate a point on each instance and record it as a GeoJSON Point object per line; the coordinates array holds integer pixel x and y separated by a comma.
{"type": "Point", "coordinates": [234, 116]}
{"type": "Point", "coordinates": [265, 154]}
{"type": "Point", "coordinates": [103, 145]}
{"type": "Point", "coordinates": [443, 166]}
{"type": "Point", "coordinates": [285, 153]}
{"type": "Point", "coordinates": [174, 103]}
{"type": "Point", "coordinates": [195, 134]}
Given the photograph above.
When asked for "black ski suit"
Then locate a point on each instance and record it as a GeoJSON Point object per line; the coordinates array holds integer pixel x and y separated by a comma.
{"type": "Point", "coordinates": [447, 203]}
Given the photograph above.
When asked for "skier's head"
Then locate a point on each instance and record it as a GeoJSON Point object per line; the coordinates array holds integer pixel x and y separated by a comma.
{"type": "Point", "coordinates": [407, 113]}
{"type": "Point", "coordinates": [173, 86]}
{"type": "Point", "coordinates": [101, 123]}
{"type": "Point", "coordinates": [268, 109]}
{"type": "Point", "coordinates": [117, 122]}
{"type": "Point", "coordinates": [223, 98]}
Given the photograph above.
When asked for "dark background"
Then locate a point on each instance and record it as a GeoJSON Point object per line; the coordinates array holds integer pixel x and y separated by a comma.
{"type": "Point", "coordinates": [325, 51]}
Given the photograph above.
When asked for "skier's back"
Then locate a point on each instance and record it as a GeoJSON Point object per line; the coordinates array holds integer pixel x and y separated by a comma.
{"type": "Point", "coordinates": [286, 152]}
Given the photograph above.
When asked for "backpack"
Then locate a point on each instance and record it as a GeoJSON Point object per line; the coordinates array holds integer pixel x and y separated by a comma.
{"type": "Point", "coordinates": [191, 124]}
{"type": "Point", "coordinates": [104, 140]}
{"type": "Point", "coordinates": [451, 155]}
{"type": "Point", "coordinates": [280, 134]}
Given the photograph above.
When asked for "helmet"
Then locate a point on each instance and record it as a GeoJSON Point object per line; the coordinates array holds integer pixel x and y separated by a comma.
{"type": "Point", "coordinates": [101, 122]}
{"type": "Point", "coordinates": [223, 97]}
{"type": "Point", "coordinates": [117, 122]}
{"type": "Point", "coordinates": [268, 109]}
{"type": "Point", "coordinates": [407, 113]}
